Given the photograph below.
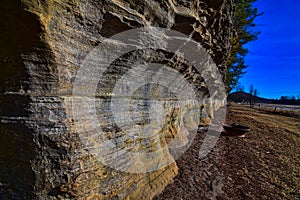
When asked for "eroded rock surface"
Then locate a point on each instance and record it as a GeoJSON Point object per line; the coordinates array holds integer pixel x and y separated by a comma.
{"type": "Point", "coordinates": [45, 44]}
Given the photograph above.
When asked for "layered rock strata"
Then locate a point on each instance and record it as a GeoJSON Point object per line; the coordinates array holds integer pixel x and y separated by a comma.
{"type": "Point", "coordinates": [44, 44]}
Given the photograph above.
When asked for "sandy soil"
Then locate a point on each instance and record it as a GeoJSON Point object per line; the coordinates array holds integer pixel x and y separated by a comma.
{"type": "Point", "coordinates": [263, 165]}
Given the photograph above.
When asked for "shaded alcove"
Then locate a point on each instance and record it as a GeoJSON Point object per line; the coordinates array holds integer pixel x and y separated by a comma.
{"type": "Point", "coordinates": [19, 36]}
{"type": "Point", "coordinates": [16, 151]}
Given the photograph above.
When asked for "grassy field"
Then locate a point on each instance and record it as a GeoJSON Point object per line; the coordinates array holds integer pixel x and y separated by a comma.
{"type": "Point", "coordinates": [266, 163]}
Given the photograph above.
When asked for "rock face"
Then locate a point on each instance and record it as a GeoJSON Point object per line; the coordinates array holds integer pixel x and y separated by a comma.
{"type": "Point", "coordinates": [43, 45]}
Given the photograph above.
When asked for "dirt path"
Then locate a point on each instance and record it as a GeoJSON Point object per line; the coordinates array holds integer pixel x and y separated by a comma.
{"type": "Point", "coordinates": [263, 165]}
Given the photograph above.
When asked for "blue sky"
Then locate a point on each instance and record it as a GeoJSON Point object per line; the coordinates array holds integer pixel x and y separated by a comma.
{"type": "Point", "coordinates": [274, 59]}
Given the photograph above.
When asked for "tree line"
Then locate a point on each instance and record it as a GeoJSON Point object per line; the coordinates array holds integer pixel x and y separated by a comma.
{"type": "Point", "coordinates": [290, 100]}
{"type": "Point", "coordinates": [252, 97]}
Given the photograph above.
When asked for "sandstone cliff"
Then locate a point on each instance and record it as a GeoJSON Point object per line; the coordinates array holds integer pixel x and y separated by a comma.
{"type": "Point", "coordinates": [43, 45]}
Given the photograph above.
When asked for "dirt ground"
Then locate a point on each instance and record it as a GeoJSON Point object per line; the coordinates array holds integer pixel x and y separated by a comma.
{"type": "Point", "coordinates": [263, 165]}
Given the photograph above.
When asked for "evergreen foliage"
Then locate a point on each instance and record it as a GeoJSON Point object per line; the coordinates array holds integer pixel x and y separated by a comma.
{"type": "Point", "coordinates": [245, 14]}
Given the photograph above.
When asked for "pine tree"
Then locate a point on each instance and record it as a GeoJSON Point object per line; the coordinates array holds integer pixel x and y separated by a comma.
{"type": "Point", "coordinates": [245, 14]}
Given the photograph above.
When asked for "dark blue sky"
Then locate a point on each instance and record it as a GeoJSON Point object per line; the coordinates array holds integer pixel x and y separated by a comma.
{"type": "Point", "coordinates": [274, 59]}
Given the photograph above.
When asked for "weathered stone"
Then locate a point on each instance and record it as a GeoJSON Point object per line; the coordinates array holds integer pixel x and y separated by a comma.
{"type": "Point", "coordinates": [44, 45]}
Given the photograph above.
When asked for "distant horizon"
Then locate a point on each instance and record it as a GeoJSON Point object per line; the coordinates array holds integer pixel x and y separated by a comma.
{"type": "Point", "coordinates": [296, 96]}
{"type": "Point", "coordinates": [274, 58]}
